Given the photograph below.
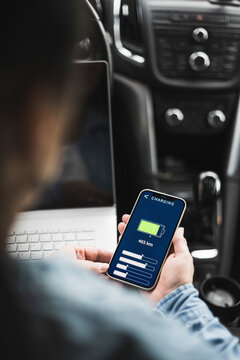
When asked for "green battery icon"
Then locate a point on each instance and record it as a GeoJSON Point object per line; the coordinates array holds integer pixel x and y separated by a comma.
{"type": "Point", "coordinates": [151, 228]}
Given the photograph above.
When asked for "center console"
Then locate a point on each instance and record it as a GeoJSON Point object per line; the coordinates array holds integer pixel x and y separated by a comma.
{"type": "Point", "coordinates": [177, 108]}
{"type": "Point", "coordinates": [193, 40]}
{"type": "Point", "coordinates": [196, 44]}
{"type": "Point", "coordinates": [194, 50]}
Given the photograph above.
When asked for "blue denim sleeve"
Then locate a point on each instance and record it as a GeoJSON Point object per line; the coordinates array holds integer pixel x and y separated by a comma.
{"type": "Point", "coordinates": [185, 305]}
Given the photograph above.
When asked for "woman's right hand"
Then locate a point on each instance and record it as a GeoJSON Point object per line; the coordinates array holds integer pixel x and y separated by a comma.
{"type": "Point", "coordinates": [178, 268]}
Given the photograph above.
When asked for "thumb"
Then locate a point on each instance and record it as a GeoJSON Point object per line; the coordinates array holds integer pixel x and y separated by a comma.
{"type": "Point", "coordinates": [98, 267]}
{"type": "Point", "coordinates": [179, 242]}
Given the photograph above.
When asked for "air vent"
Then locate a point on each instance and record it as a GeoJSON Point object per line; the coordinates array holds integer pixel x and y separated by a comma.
{"type": "Point", "coordinates": [127, 29]}
{"type": "Point", "coordinates": [130, 29]}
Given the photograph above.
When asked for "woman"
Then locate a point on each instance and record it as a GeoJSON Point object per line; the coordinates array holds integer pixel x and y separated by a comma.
{"type": "Point", "coordinates": [56, 309]}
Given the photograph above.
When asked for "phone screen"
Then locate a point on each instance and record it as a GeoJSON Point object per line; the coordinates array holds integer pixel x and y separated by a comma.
{"type": "Point", "coordinates": [146, 239]}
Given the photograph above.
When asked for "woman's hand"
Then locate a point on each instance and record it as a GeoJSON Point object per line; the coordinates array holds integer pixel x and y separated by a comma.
{"type": "Point", "coordinates": [178, 268]}
{"type": "Point", "coordinates": [87, 257]}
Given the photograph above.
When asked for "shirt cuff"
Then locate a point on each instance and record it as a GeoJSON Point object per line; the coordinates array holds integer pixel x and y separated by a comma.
{"type": "Point", "coordinates": [184, 304]}
{"type": "Point", "coordinates": [175, 294]}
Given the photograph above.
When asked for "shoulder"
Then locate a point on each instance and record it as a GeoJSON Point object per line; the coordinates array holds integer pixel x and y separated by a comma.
{"type": "Point", "coordinates": [61, 283]}
{"type": "Point", "coordinates": [69, 313]}
{"type": "Point", "coordinates": [63, 306]}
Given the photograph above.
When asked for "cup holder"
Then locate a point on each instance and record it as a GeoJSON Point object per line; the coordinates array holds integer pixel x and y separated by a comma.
{"type": "Point", "coordinates": [222, 295]}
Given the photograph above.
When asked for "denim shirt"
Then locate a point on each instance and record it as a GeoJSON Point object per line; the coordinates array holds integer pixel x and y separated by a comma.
{"type": "Point", "coordinates": [184, 304]}
{"type": "Point", "coordinates": [69, 313]}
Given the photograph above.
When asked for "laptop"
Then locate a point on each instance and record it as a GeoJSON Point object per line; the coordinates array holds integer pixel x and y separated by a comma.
{"type": "Point", "coordinates": [79, 207]}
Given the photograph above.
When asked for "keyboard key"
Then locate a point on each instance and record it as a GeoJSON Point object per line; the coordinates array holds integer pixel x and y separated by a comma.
{"type": "Point", "coordinates": [33, 238]}
{"type": "Point", "coordinates": [42, 231]}
{"type": "Point", "coordinates": [77, 229]}
{"type": "Point", "coordinates": [54, 230]}
{"type": "Point", "coordinates": [21, 239]}
{"type": "Point", "coordinates": [65, 230]}
{"type": "Point", "coordinates": [46, 254]}
{"type": "Point", "coordinates": [20, 232]}
{"type": "Point", "coordinates": [45, 237]}
{"type": "Point", "coordinates": [31, 231]}
{"type": "Point", "coordinates": [35, 246]}
{"type": "Point", "coordinates": [23, 247]}
{"type": "Point", "coordinates": [86, 243]}
{"type": "Point", "coordinates": [11, 239]}
{"type": "Point", "coordinates": [24, 256]}
{"type": "Point", "coordinates": [72, 243]}
{"type": "Point", "coordinates": [70, 236]}
{"type": "Point", "coordinates": [85, 236]}
{"type": "Point", "coordinates": [11, 248]}
{"type": "Point", "coordinates": [59, 245]}
{"type": "Point", "coordinates": [88, 229]}
{"type": "Point", "coordinates": [36, 255]}
{"type": "Point", "coordinates": [57, 237]}
{"type": "Point", "coordinates": [47, 246]}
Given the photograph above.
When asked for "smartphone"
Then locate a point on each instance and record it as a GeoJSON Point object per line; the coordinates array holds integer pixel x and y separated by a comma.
{"type": "Point", "coordinates": [144, 244]}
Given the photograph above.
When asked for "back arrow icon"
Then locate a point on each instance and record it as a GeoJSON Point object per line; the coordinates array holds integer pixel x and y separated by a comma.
{"type": "Point", "coordinates": [146, 196]}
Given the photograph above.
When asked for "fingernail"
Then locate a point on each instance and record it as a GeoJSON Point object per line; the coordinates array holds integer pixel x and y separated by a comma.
{"type": "Point", "coordinates": [104, 267]}
{"type": "Point", "coordinates": [182, 231]}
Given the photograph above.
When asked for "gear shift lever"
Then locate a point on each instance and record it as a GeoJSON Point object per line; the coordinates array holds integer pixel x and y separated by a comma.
{"type": "Point", "coordinates": [209, 207]}
{"type": "Point", "coordinates": [208, 188]}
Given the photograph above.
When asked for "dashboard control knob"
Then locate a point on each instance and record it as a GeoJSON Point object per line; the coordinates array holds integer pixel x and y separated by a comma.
{"type": "Point", "coordinates": [174, 117]}
{"type": "Point", "coordinates": [199, 61]}
{"type": "Point", "coordinates": [216, 118]}
{"type": "Point", "coordinates": [200, 35]}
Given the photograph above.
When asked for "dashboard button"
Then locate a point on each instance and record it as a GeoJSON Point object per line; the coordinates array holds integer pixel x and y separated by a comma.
{"type": "Point", "coordinates": [200, 35]}
{"type": "Point", "coordinates": [216, 118]}
{"type": "Point", "coordinates": [179, 17]}
{"type": "Point", "coordinates": [199, 61]}
{"type": "Point", "coordinates": [174, 117]}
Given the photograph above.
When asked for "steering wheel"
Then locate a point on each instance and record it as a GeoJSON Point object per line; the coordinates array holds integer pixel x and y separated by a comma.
{"type": "Point", "coordinates": [92, 44]}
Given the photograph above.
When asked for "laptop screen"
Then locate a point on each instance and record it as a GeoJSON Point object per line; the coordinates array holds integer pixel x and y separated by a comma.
{"type": "Point", "coordinates": [85, 178]}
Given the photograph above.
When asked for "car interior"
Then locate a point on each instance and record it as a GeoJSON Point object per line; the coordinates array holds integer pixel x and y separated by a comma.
{"type": "Point", "coordinates": [174, 70]}
{"type": "Point", "coordinates": [175, 116]}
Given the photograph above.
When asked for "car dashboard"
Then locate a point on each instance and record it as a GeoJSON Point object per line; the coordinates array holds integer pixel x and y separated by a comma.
{"type": "Point", "coordinates": [176, 116]}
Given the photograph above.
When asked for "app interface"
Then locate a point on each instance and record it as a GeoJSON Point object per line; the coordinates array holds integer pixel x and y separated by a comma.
{"type": "Point", "coordinates": [146, 239]}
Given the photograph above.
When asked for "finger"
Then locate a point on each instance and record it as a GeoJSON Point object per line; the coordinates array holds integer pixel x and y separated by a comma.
{"type": "Point", "coordinates": [93, 254]}
{"type": "Point", "coordinates": [121, 227]}
{"type": "Point", "coordinates": [179, 242]}
{"type": "Point", "coordinates": [98, 267]}
{"type": "Point", "coordinates": [125, 218]}
{"type": "Point", "coordinates": [104, 256]}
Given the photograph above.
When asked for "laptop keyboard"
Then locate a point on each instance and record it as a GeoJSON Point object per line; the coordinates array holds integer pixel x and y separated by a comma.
{"type": "Point", "coordinates": [37, 245]}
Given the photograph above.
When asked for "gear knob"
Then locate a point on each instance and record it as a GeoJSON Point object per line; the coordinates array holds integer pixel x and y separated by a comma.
{"type": "Point", "coordinates": [208, 188]}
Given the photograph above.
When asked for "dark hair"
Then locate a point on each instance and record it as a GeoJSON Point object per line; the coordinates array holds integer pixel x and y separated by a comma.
{"type": "Point", "coordinates": [37, 38]}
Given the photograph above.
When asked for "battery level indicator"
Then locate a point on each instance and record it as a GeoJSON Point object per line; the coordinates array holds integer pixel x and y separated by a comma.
{"type": "Point", "coordinates": [151, 228]}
